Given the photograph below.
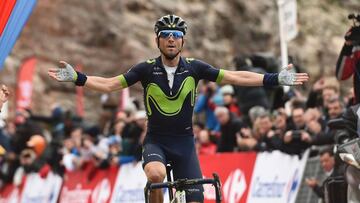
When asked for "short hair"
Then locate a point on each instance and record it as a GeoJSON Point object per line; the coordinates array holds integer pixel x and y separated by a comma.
{"type": "Point", "coordinates": [334, 100]}
{"type": "Point", "coordinates": [327, 150]}
{"type": "Point", "coordinates": [221, 109]}
{"type": "Point", "coordinates": [257, 111]}
{"type": "Point", "coordinates": [298, 104]}
{"type": "Point", "coordinates": [332, 83]}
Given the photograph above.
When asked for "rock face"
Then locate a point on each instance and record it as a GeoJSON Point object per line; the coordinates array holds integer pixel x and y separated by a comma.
{"type": "Point", "coordinates": [107, 37]}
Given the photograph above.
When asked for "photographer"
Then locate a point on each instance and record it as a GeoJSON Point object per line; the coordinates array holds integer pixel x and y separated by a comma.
{"type": "Point", "coordinates": [297, 138]}
{"type": "Point", "coordinates": [349, 59]}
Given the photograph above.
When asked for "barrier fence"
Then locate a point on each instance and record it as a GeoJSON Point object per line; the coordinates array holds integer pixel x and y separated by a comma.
{"type": "Point", "coordinates": [245, 177]}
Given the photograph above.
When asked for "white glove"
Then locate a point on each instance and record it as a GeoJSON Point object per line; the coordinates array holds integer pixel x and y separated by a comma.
{"type": "Point", "coordinates": [64, 74]}
{"type": "Point", "coordinates": [287, 77]}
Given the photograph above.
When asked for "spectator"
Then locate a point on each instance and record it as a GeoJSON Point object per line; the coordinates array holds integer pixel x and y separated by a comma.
{"type": "Point", "coordinates": [209, 97]}
{"type": "Point", "coordinates": [230, 126]}
{"type": "Point", "coordinates": [263, 137]}
{"type": "Point", "coordinates": [71, 155]}
{"type": "Point", "coordinates": [334, 107]}
{"type": "Point", "coordinates": [197, 128]}
{"type": "Point", "coordinates": [204, 145]}
{"type": "Point", "coordinates": [250, 96]}
{"type": "Point", "coordinates": [132, 141]}
{"type": "Point", "coordinates": [348, 61]}
{"type": "Point", "coordinates": [322, 91]}
{"type": "Point", "coordinates": [25, 128]}
{"type": "Point", "coordinates": [327, 162]}
{"type": "Point", "coordinates": [229, 100]}
{"type": "Point", "coordinates": [296, 138]}
{"type": "Point", "coordinates": [255, 112]}
{"type": "Point", "coordinates": [114, 150]}
{"type": "Point", "coordinates": [280, 121]}
{"type": "Point", "coordinates": [4, 95]}
{"type": "Point", "coordinates": [31, 159]}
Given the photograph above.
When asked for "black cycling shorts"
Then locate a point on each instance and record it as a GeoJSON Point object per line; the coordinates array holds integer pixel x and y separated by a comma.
{"type": "Point", "coordinates": [181, 152]}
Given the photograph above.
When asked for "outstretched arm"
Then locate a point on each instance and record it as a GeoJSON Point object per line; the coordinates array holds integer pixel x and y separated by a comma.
{"type": "Point", "coordinates": [66, 73]}
{"type": "Point", "coordinates": [247, 78]}
{"type": "Point", "coordinates": [103, 84]}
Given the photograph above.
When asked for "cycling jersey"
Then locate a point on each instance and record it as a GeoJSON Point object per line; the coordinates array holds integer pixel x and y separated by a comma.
{"type": "Point", "coordinates": [170, 110]}
{"type": "Point", "coordinates": [348, 64]}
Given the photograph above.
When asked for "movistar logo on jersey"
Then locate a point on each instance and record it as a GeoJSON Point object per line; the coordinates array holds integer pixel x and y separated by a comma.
{"type": "Point", "coordinates": [151, 61]}
{"type": "Point", "coordinates": [169, 106]}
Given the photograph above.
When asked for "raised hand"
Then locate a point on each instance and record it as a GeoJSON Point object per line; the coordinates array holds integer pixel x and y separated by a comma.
{"type": "Point", "coordinates": [288, 78]}
{"type": "Point", "coordinates": [4, 93]}
{"type": "Point", "coordinates": [65, 73]}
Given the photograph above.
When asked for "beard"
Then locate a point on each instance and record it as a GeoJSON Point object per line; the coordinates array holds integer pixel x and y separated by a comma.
{"type": "Point", "coordinates": [170, 56]}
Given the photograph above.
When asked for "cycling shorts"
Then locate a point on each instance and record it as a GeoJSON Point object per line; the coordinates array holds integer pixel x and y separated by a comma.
{"type": "Point", "coordinates": [181, 152]}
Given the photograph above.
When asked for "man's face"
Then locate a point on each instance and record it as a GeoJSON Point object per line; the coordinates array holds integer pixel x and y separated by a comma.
{"type": "Point", "coordinates": [170, 47]}
{"type": "Point", "coordinates": [280, 121]}
{"type": "Point", "coordinates": [298, 117]}
{"type": "Point", "coordinates": [328, 93]}
{"type": "Point", "coordinates": [227, 99]}
{"type": "Point", "coordinates": [223, 118]}
{"type": "Point", "coordinates": [334, 109]}
{"type": "Point", "coordinates": [265, 125]}
{"type": "Point", "coordinates": [327, 162]}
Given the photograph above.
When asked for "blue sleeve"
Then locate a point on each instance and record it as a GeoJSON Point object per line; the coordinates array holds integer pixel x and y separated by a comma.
{"type": "Point", "coordinates": [134, 74]}
{"type": "Point", "coordinates": [200, 103]}
{"type": "Point", "coordinates": [207, 71]}
{"type": "Point", "coordinates": [126, 159]}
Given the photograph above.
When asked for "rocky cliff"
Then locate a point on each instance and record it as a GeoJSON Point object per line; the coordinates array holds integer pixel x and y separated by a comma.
{"type": "Point", "coordinates": [107, 37]}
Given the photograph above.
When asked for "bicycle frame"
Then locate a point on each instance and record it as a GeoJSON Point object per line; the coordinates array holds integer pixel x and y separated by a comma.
{"type": "Point", "coordinates": [180, 184]}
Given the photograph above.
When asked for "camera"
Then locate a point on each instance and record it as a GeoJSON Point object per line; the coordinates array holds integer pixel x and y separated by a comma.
{"type": "Point", "coordinates": [354, 17]}
{"type": "Point", "coordinates": [354, 33]}
{"type": "Point", "coordinates": [296, 135]}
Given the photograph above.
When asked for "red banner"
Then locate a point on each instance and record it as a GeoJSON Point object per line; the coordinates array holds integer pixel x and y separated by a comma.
{"type": "Point", "coordinates": [88, 185]}
{"type": "Point", "coordinates": [25, 85]}
{"type": "Point", "coordinates": [10, 193]}
{"type": "Point", "coordinates": [6, 6]}
{"type": "Point", "coordinates": [235, 171]}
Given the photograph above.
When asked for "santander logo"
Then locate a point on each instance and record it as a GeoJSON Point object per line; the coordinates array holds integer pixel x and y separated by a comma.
{"type": "Point", "coordinates": [234, 187]}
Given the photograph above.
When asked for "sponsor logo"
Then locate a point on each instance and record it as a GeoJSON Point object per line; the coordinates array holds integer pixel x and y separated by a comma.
{"type": "Point", "coordinates": [158, 73]}
{"type": "Point", "coordinates": [76, 195]}
{"type": "Point", "coordinates": [234, 187]}
{"type": "Point", "coordinates": [293, 185]}
{"type": "Point", "coordinates": [268, 189]}
{"type": "Point", "coordinates": [180, 73]}
{"type": "Point", "coordinates": [130, 195]}
{"type": "Point", "coordinates": [153, 154]}
{"type": "Point", "coordinates": [102, 192]}
{"type": "Point", "coordinates": [157, 68]}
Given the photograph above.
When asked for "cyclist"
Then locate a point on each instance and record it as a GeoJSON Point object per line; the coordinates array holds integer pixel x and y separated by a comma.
{"type": "Point", "coordinates": [169, 83]}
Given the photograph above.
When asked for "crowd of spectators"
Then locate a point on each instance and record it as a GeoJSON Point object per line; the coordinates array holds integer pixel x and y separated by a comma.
{"type": "Point", "coordinates": [258, 119]}
{"type": "Point", "coordinates": [227, 119]}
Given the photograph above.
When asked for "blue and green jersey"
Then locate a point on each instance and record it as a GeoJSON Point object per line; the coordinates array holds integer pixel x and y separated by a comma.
{"type": "Point", "coordinates": [170, 110]}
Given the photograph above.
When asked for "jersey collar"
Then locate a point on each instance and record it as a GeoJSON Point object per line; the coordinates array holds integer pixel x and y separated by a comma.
{"type": "Point", "coordinates": [180, 65]}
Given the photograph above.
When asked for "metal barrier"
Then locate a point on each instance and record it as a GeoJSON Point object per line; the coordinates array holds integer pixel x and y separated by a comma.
{"type": "Point", "coordinates": [312, 169]}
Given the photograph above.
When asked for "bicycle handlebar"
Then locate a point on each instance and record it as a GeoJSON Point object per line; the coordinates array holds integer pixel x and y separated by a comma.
{"type": "Point", "coordinates": [181, 183]}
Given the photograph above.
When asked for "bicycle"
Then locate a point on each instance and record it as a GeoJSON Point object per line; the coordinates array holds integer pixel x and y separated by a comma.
{"type": "Point", "coordinates": [180, 185]}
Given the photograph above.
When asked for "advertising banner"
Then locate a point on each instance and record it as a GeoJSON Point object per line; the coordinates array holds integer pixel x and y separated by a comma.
{"type": "Point", "coordinates": [235, 171]}
{"type": "Point", "coordinates": [276, 177]}
{"type": "Point", "coordinates": [41, 190]}
{"type": "Point", "coordinates": [90, 185]}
